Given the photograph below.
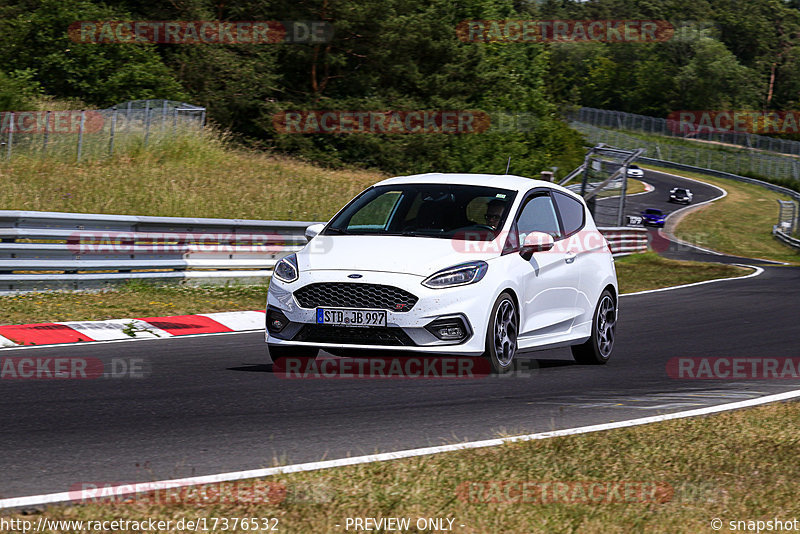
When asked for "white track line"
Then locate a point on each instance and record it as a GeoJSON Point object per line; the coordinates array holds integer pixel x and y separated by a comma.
{"type": "Point", "coordinates": [756, 271]}
{"type": "Point", "coordinates": [49, 498]}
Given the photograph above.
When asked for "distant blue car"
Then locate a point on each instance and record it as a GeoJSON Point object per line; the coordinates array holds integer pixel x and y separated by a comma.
{"type": "Point", "coordinates": [653, 217]}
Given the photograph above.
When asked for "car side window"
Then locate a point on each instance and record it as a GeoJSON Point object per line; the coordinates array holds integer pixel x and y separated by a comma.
{"type": "Point", "coordinates": [538, 215]}
{"type": "Point", "coordinates": [571, 211]}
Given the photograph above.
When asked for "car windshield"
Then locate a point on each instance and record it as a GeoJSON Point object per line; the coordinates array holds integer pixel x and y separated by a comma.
{"type": "Point", "coordinates": [651, 211]}
{"type": "Point", "coordinates": [633, 166]}
{"type": "Point", "coordinates": [680, 192]}
{"type": "Point", "coordinates": [426, 210]}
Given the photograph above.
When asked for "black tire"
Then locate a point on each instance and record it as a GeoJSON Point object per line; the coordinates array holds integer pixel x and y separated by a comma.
{"type": "Point", "coordinates": [598, 348]}
{"type": "Point", "coordinates": [501, 334]}
{"type": "Point", "coordinates": [280, 353]}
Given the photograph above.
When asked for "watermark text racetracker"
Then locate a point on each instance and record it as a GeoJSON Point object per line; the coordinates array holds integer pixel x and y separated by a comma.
{"type": "Point", "coordinates": [734, 368]}
{"type": "Point", "coordinates": [564, 31]}
{"type": "Point", "coordinates": [200, 31]}
{"type": "Point", "coordinates": [100, 242]}
{"type": "Point", "coordinates": [377, 366]}
{"type": "Point", "coordinates": [381, 122]}
{"type": "Point", "coordinates": [71, 368]}
{"type": "Point", "coordinates": [183, 492]}
{"type": "Point", "coordinates": [564, 492]}
{"type": "Point", "coordinates": [472, 241]}
{"type": "Point", "coordinates": [688, 122]}
{"type": "Point", "coordinates": [402, 122]}
{"type": "Point", "coordinates": [50, 122]}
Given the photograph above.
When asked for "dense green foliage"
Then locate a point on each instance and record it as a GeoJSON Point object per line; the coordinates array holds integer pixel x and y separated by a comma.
{"type": "Point", "coordinates": [405, 55]}
{"type": "Point", "coordinates": [725, 54]}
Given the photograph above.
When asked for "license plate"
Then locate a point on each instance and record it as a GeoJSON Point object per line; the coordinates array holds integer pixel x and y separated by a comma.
{"type": "Point", "coordinates": [351, 317]}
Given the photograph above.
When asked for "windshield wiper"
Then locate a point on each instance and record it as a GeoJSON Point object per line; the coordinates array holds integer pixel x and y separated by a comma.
{"type": "Point", "coordinates": [335, 230]}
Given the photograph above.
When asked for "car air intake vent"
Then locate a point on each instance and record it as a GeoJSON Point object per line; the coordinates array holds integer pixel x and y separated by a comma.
{"type": "Point", "coordinates": [354, 336]}
{"type": "Point", "coordinates": [349, 295]}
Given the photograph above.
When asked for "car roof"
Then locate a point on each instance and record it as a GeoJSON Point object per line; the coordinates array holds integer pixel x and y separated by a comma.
{"type": "Point", "coordinates": [503, 181]}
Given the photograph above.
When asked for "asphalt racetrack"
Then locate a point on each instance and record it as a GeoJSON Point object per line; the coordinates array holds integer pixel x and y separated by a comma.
{"type": "Point", "coordinates": [213, 404]}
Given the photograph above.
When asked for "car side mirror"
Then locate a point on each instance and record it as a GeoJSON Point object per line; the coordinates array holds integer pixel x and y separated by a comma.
{"type": "Point", "coordinates": [313, 230]}
{"type": "Point", "coordinates": [536, 242]}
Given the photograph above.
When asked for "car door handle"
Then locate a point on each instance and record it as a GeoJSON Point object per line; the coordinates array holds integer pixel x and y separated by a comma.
{"type": "Point", "coordinates": [569, 257]}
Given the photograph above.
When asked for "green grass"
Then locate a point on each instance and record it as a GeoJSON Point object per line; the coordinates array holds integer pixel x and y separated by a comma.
{"type": "Point", "coordinates": [129, 301]}
{"type": "Point", "coordinates": [640, 272]}
{"type": "Point", "coordinates": [738, 465]}
{"type": "Point", "coordinates": [189, 175]}
{"type": "Point", "coordinates": [739, 224]}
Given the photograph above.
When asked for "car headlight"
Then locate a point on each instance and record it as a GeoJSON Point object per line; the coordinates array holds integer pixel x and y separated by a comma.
{"type": "Point", "coordinates": [286, 269]}
{"type": "Point", "coordinates": [457, 275]}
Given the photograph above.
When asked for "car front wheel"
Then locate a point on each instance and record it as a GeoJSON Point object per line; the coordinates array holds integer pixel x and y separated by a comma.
{"type": "Point", "coordinates": [501, 334]}
{"type": "Point", "coordinates": [597, 349]}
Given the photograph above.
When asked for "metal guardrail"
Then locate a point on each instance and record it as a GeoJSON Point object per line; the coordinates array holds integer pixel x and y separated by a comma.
{"type": "Point", "coordinates": [626, 240]}
{"type": "Point", "coordinates": [787, 239]}
{"type": "Point", "coordinates": [51, 250]}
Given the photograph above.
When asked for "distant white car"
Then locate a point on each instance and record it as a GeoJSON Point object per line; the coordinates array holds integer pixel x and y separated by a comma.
{"type": "Point", "coordinates": [680, 194]}
{"type": "Point", "coordinates": [635, 172]}
{"type": "Point", "coordinates": [467, 264]}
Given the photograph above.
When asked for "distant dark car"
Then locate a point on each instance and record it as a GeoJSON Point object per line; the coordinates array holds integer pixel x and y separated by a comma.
{"type": "Point", "coordinates": [680, 195]}
{"type": "Point", "coordinates": [653, 217]}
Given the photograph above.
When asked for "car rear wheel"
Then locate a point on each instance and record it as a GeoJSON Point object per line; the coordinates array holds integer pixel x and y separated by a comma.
{"type": "Point", "coordinates": [597, 349]}
{"type": "Point", "coordinates": [280, 354]}
{"type": "Point", "coordinates": [501, 334]}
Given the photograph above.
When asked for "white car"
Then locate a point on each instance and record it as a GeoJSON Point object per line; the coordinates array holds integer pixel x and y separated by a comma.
{"type": "Point", "coordinates": [635, 172]}
{"type": "Point", "coordinates": [464, 264]}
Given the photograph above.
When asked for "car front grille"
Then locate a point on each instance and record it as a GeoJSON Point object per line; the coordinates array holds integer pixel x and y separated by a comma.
{"type": "Point", "coordinates": [384, 335]}
{"type": "Point", "coordinates": [349, 295]}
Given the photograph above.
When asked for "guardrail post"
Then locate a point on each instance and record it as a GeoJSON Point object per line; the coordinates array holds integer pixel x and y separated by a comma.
{"type": "Point", "coordinates": [146, 121]}
{"type": "Point", "coordinates": [80, 134]}
{"type": "Point", "coordinates": [111, 134]}
{"type": "Point", "coordinates": [623, 192]}
{"type": "Point", "coordinates": [46, 133]}
{"type": "Point", "coordinates": [10, 135]}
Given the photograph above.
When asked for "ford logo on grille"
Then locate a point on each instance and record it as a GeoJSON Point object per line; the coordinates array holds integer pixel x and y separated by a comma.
{"type": "Point", "coordinates": [353, 276]}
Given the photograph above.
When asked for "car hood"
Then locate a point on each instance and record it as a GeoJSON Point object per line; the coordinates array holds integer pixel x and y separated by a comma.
{"type": "Point", "coordinates": [421, 256]}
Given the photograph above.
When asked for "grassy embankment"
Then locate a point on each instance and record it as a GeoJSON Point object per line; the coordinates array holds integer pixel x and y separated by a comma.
{"type": "Point", "coordinates": [739, 465]}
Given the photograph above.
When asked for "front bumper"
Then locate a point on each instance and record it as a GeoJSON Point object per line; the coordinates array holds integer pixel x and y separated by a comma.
{"type": "Point", "coordinates": [405, 330]}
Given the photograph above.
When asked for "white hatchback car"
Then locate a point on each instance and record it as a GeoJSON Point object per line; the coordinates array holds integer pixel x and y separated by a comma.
{"type": "Point", "coordinates": [466, 264]}
{"type": "Point", "coordinates": [634, 171]}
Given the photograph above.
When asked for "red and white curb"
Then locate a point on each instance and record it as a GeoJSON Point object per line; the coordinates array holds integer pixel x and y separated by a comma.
{"type": "Point", "coordinates": [126, 329]}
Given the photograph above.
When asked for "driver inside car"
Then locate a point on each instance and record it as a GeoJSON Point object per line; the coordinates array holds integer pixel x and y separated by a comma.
{"type": "Point", "coordinates": [494, 213]}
